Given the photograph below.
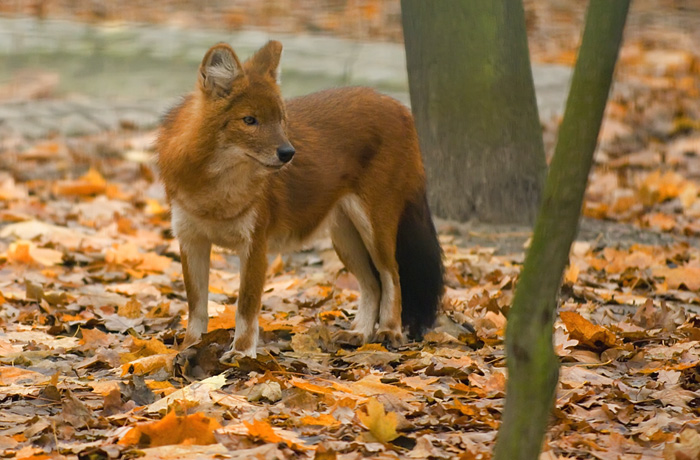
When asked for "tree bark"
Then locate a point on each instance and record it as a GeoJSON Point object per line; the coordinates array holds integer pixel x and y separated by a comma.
{"type": "Point", "coordinates": [532, 364]}
{"type": "Point", "coordinates": [473, 100]}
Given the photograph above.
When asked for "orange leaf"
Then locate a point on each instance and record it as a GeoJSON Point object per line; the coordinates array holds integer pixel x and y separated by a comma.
{"type": "Point", "coordinates": [132, 309]}
{"type": "Point", "coordinates": [586, 332]}
{"type": "Point", "coordinates": [680, 276]}
{"type": "Point", "coordinates": [310, 387]}
{"type": "Point", "coordinates": [225, 320]}
{"type": "Point", "coordinates": [10, 375]}
{"type": "Point", "coordinates": [372, 347]}
{"type": "Point", "coordinates": [319, 420]}
{"type": "Point", "coordinates": [149, 364]}
{"type": "Point", "coordinates": [26, 252]}
{"type": "Point", "coordinates": [92, 183]}
{"type": "Point", "coordinates": [660, 221]}
{"type": "Point", "coordinates": [263, 431]}
{"type": "Point", "coordinates": [462, 408]}
{"type": "Point", "coordinates": [173, 429]}
{"type": "Point", "coordinates": [94, 338]}
{"type": "Point", "coordinates": [571, 273]}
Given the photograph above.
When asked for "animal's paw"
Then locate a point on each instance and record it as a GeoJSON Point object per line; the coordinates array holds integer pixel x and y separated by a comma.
{"type": "Point", "coordinates": [352, 338]}
{"type": "Point", "coordinates": [390, 337]}
{"type": "Point", "coordinates": [233, 355]}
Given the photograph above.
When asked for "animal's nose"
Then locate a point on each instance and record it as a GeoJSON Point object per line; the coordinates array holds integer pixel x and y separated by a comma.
{"type": "Point", "coordinates": [285, 152]}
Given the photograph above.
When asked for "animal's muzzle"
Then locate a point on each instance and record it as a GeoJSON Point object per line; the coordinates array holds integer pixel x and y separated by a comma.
{"type": "Point", "coordinates": [285, 152]}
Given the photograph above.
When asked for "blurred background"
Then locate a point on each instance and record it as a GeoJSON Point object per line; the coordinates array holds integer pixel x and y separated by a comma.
{"type": "Point", "coordinates": [72, 69]}
{"type": "Point", "coordinates": [116, 64]}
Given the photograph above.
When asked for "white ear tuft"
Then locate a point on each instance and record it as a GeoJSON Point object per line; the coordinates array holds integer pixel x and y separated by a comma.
{"type": "Point", "coordinates": [278, 71]}
{"type": "Point", "coordinates": [219, 68]}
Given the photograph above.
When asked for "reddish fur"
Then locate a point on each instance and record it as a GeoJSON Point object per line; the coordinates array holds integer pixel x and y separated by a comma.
{"type": "Point", "coordinates": [348, 141]}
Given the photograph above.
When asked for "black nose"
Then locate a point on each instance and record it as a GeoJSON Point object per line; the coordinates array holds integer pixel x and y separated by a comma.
{"type": "Point", "coordinates": [285, 152]}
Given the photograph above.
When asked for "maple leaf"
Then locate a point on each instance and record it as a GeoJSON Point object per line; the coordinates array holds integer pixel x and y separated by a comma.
{"type": "Point", "coordinates": [381, 425]}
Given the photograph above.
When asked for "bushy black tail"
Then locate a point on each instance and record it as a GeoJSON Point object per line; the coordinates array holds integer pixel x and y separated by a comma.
{"type": "Point", "coordinates": [421, 271]}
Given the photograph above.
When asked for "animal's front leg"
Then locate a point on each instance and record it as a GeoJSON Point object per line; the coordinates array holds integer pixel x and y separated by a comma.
{"type": "Point", "coordinates": [253, 269]}
{"type": "Point", "coordinates": [195, 269]}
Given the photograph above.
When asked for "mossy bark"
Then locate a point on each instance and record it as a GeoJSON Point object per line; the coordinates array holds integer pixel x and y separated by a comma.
{"type": "Point", "coordinates": [532, 364]}
{"type": "Point", "coordinates": [473, 100]}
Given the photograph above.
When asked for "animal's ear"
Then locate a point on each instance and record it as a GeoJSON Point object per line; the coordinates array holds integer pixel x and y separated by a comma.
{"type": "Point", "coordinates": [219, 68]}
{"type": "Point", "coordinates": [266, 61]}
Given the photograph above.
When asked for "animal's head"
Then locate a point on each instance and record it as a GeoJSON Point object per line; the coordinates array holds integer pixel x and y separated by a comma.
{"type": "Point", "coordinates": [244, 107]}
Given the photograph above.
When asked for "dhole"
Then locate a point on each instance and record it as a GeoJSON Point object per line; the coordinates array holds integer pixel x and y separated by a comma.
{"type": "Point", "coordinates": [244, 170]}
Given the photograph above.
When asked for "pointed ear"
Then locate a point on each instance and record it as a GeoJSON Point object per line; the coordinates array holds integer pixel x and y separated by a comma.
{"type": "Point", "coordinates": [219, 68]}
{"type": "Point", "coordinates": [267, 60]}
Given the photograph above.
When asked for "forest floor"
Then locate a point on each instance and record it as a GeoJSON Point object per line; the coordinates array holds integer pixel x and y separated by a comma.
{"type": "Point", "coordinates": [92, 303]}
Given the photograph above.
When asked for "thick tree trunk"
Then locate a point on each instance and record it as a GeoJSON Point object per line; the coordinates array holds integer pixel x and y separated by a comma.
{"type": "Point", "coordinates": [474, 103]}
{"type": "Point", "coordinates": [532, 364]}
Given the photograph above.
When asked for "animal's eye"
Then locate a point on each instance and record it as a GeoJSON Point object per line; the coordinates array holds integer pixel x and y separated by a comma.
{"type": "Point", "coordinates": [250, 120]}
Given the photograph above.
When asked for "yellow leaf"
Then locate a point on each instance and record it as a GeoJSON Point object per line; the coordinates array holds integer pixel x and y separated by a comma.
{"type": "Point", "coordinates": [372, 347]}
{"type": "Point", "coordinates": [132, 309]}
{"type": "Point", "coordinates": [380, 424]}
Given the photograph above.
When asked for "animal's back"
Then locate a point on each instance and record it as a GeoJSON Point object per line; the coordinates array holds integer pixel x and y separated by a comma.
{"type": "Point", "coordinates": [348, 141]}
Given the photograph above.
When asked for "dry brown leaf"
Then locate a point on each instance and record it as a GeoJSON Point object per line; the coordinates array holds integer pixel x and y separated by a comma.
{"type": "Point", "coordinates": [686, 448]}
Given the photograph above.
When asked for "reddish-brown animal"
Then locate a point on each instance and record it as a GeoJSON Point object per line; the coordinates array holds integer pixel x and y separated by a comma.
{"type": "Point", "coordinates": [243, 170]}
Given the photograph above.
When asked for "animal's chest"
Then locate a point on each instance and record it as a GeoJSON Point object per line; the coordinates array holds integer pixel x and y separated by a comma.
{"type": "Point", "coordinates": [228, 233]}
{"type": "Point", "coordinates": [237, 233]}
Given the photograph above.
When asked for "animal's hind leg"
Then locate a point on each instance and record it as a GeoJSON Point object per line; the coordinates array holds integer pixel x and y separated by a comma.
{"type": "Point", "coordinates": [380, 243]}
{"type": "Point", "coordinates": [353, 253]}
{"type": "Point", "coordinates": [389, 330]}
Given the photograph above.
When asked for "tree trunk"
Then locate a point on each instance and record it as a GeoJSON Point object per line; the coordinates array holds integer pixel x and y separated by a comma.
{"type": "Point", "coordinates": [532, 364]}
{"type": "Point", "coordinates": [474, 105]}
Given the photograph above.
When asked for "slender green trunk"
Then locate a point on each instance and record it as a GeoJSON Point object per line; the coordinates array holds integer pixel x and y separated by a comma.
{"type": "Point", "coordinates": [473, 100]}
{"type": "Point", "coordinates": [532, 364]}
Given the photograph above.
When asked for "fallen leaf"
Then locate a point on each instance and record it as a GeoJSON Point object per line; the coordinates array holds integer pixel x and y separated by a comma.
{"type": "Point", "coordinates": [586, 332]}
{"type": "Point", "coordinates": [263, 431]}
{"type": "Point", "coordinates": [381, 425]}
{"type": "Point", "coordinates": [173, 429]}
